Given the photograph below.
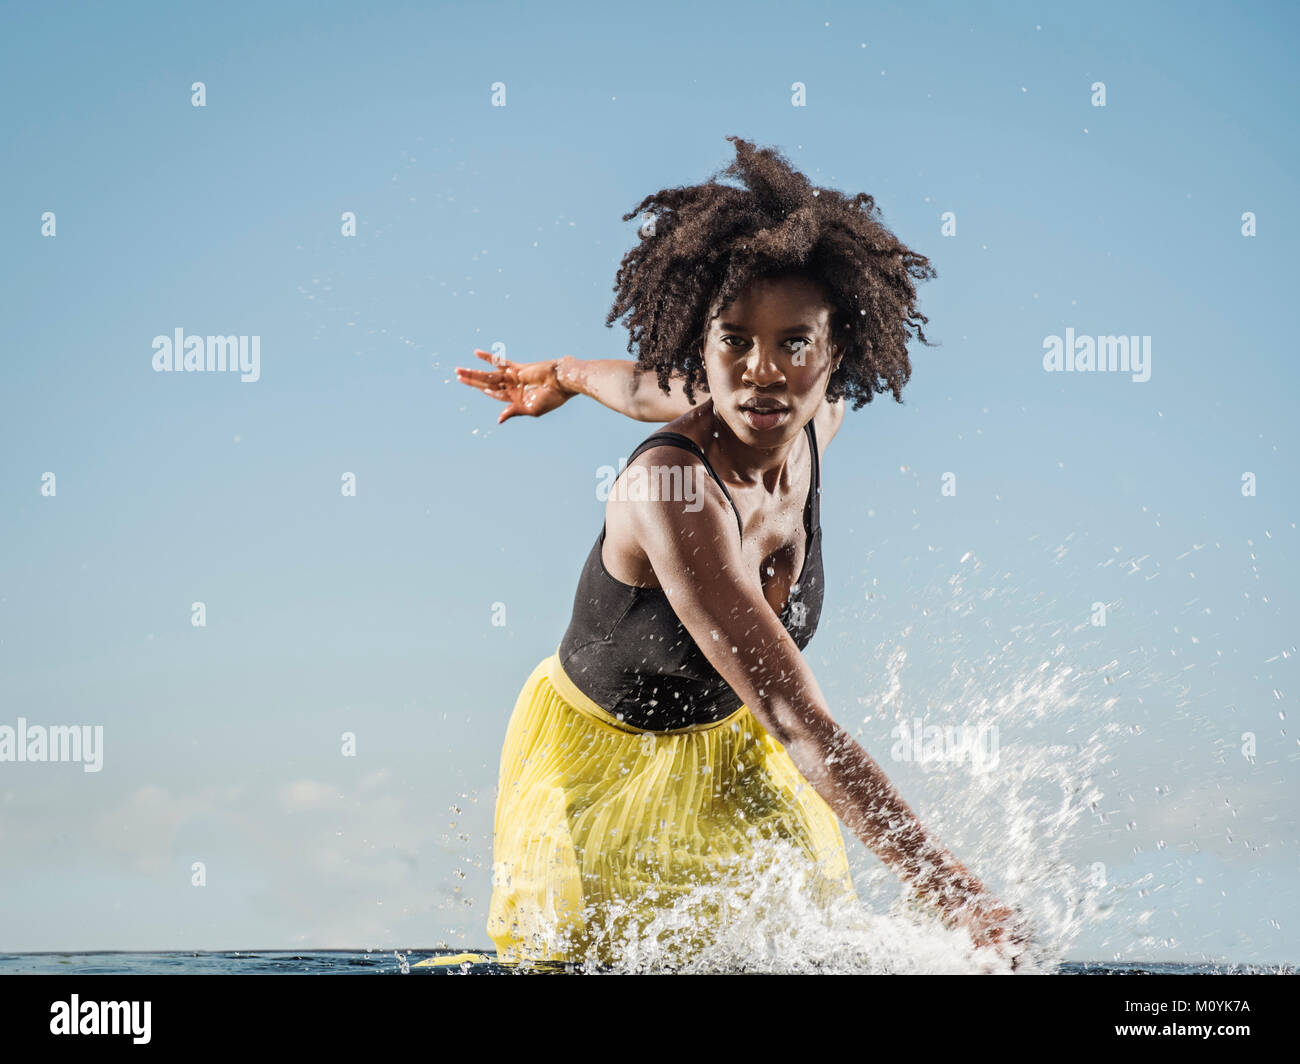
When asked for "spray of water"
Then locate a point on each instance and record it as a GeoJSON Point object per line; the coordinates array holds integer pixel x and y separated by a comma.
{"type": "Point", "coordinates": [765, 917]}
{"type": "Point", "coordinates": [1009, 745]}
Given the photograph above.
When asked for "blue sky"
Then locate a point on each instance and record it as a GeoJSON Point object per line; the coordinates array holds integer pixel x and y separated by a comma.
{"type": "Point", "coordinates": [481, 225]}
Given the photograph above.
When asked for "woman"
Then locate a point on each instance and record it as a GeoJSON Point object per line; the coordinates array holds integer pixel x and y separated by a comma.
{"type": "Point", "coordinates": [671, 738]}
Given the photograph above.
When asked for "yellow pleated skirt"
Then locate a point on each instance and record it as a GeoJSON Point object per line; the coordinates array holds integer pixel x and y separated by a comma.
{"type": "Point", "coordinates": [599, 825]}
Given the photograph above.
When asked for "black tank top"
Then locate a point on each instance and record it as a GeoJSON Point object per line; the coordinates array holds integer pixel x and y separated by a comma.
{"type": "Point", "coordinates": [627, 651]}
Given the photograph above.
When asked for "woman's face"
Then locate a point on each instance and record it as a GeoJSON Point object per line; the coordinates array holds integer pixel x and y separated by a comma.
{"type": "Point", "coordinates": [771, 348]}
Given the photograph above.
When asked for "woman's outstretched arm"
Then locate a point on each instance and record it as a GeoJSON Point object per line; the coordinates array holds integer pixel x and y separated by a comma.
{"type": "Point", "coordinates": [696, 556]}
{"type": "Point", "coordinates": [530, 389]}
{"type": "Point", "coordinates": [620, 385]}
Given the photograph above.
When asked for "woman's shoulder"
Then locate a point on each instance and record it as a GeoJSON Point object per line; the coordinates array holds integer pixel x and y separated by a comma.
{"type": "Point", "coordinates": [659, 470]}
{"type": "Point", "coordinates": [695, 424]}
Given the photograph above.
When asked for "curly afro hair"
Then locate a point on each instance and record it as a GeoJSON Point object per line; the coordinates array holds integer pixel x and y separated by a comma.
{"type": "Point", "coordinates": [704, 244]}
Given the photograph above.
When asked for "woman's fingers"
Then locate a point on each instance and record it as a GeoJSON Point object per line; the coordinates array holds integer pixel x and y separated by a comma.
{"type": "Point", "coordinates": [502, 372]}
{"type": "Point", "coordinates": [488, 390]}
{"type": "Point", "coordinates": [490, 383]}
{"type": "Point", "coordinates": [478, 380]}
{"type": "Point", "coordinates": [500, 361]}
{"type": "Point", "coordinates": [500, 383]}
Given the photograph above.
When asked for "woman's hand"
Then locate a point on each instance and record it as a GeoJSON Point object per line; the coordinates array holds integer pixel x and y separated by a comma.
{"type": "Point", "coordinates": [530, 388]}
{"type": "Point", "coordinates": [992, 924]}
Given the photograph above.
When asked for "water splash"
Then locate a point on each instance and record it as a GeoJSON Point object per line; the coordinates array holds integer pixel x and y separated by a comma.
{"type": "Point", "coordinates": [1011, 809]}
{"type": "Point", "coordinates": [765, 918]}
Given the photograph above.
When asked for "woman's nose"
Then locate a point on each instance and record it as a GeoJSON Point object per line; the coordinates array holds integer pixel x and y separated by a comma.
{"type": "Point", "coordinates": [761, 368]}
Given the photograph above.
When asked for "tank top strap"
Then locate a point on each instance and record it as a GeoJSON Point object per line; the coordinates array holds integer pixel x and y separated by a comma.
{"type": "Point", "coordinates": [679, 440]}
{"type": "Point", "coordinates": [816, 491]}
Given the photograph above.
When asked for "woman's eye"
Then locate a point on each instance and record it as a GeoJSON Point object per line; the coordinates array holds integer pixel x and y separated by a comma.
{"type": "Point", "coordinates": [793, 340]}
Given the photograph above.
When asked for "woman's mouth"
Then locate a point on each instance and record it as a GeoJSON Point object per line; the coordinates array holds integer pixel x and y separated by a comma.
{"type": "Point", "coordinates": [764, 414]}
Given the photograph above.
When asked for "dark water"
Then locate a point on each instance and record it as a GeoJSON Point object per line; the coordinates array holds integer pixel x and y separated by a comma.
{"type": "Point", "coordinates": [364, 962]}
